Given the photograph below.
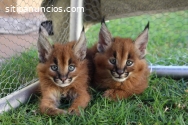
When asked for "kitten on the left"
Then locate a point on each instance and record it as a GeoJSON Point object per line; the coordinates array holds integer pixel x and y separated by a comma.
{"type": "Point", "coordinates": [62, 72]}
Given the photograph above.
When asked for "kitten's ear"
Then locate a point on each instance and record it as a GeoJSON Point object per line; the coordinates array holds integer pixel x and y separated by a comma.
{"type": "Point", "coordinates": [80, 46]}
{"type": "Point", "coordinates": [44, 47]}
{"type": "Point", "coordinates": [141, 42]}
{"type": "Point", "coordinates": [105, 38]}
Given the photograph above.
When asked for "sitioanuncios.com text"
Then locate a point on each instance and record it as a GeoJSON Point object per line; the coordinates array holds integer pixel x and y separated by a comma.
{"type": "Point", "coordinates": [43, 9]}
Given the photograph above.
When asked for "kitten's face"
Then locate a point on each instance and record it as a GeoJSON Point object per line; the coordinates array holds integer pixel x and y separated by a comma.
{"type": "Point", "coordinates": [119, 60]}
{"type": "Point", "coordinates": [122, 60]}
{"type": "Point", "coordinates": [63, 65]}
{"type": "Point", "coordinates": [118, 57]}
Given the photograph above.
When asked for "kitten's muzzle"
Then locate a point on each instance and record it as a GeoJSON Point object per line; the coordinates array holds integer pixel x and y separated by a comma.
{"type": "Point", "coordinates": [65, 79]}
{"type": "Point", "coordinates": [119, 74]}
{"type": "Point", "coordinates": [124, 75]}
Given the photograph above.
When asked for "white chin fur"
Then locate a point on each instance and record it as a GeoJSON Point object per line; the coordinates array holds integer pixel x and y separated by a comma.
{"type": "Point", "coordinates": [66, 83]}
{"type": "Point", "coordinates": [60, 84]}
{"type": "Point", "coordinates": [119, 79]}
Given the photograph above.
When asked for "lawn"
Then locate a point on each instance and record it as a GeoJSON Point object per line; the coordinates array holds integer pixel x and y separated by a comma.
{"type": "Point", "coordinates": [18, 72]}
{"type": "Point", "coordinates": [165, 101]}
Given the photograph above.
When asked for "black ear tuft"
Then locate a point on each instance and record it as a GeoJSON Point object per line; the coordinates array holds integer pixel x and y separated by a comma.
{"type": "Point", "coordinates": [103, 20]}
{"type": "Point", "coordinates": [147, 26]}
{"type": "Point", "coordinates": [83, 29]}
{"type": "Point", "coordinates": [142, 41]}
{"type": "Point", "coordinates": [48, 26]}
{"type": "Point", "coordinates": [43, 45]}
{"type": "Point", "coordinates": [80, 46]}
{"type": "Point", "coordinates": [40, 29]}
{"type": "Point", "coordinates": [105, 38]}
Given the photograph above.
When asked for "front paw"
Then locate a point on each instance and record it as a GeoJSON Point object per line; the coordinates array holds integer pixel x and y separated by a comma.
{"type": "Point", "coordinates": [109, 94]}
{"type": "Point", "coordinates": [52, 111]}
{"type": "Point", "coordinates": [61, 111]}
{"type": "Point", "coordinates": [73, 111]}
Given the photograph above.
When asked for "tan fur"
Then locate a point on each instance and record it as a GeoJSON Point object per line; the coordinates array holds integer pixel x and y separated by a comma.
{"type": "Point", "coordinates": [136, 82]}
{"type": "Point", "coordinates": [51, 93]}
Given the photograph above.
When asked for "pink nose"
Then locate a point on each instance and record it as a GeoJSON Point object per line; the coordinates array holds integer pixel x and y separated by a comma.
{"type": "Point", "coordinates": [120, 71]}
{"type": "Point", "coordinates": [63, 78]}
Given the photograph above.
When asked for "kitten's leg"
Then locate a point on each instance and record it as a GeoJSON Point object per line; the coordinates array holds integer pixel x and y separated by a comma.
{"type": "Point", "coordinates": [115, 94]}
{"type": "Point", "coordinates": [81, 101]}
{"type": "Point", "coordinates": [50, 102]}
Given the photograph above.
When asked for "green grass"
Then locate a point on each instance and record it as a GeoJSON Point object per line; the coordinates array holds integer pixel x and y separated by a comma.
{"type": "Point", "coordinates": [168, 35]}
{"type": "Point", "coordinates": [165, 101]}
{"type": "Point", "coordinates": [17, 71]}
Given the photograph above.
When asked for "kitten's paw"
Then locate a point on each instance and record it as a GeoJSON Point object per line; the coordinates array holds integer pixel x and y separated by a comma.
{"type": "Point", "coordinates": [53, 111]}
{"type": "Point", "coordinates": [61, 111]}
{"type": "Point", "coordinates": [109, 94]}
{"type": "Point", "coordinates": [73, 111]}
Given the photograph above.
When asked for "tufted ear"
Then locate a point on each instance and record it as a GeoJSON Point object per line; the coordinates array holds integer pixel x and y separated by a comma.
{"type": "Point", "coordinates": [81, 46]}
{"type": "Point", "coordinates": [44, 46]}
{"type": "Point", "coordinates": [105, 38]}
{"type": "Point", "coordinates": [142, 41]}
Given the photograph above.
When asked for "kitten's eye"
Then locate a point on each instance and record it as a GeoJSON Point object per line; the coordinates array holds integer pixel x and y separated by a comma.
{"type": "Point", "coordinates": [129, 62]}
{"type": "Point", "coordinates": [54, 67]}
{"type": "Point", "coordinates": [71, 67]}
{"type": "Point", "coordinates": [113, 61]}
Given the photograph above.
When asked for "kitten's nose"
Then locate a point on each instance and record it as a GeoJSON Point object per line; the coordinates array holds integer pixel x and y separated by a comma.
{"type": "Point", "coordinates": [63, 78]}
{"type": "Point", "coordinates": [120, 71]}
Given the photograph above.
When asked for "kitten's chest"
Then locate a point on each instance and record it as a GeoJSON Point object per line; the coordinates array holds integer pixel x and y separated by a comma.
{"type": "Point", "coordinates": [68, 93]}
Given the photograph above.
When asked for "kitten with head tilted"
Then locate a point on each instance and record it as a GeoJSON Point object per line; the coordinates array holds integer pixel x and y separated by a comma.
{"type": "Point", "coordinates": [120, 68]}
{"type": "Point", "coordinates": [62, 72]}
